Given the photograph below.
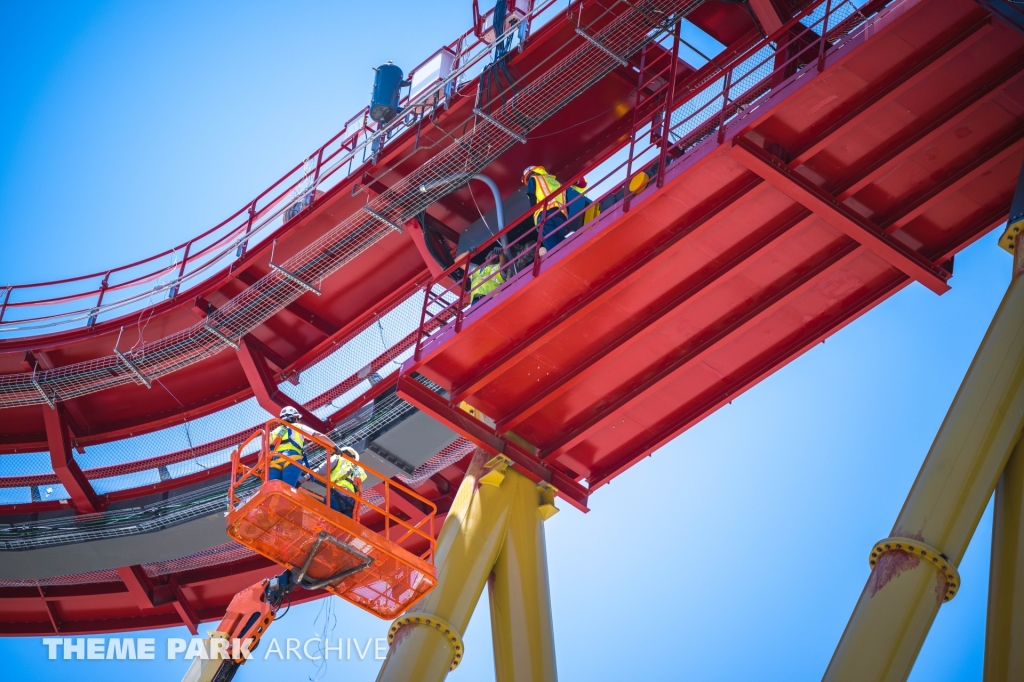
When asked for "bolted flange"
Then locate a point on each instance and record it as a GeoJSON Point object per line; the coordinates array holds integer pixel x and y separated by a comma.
{"type": "Point", "coordinates": [923, 551]}
{"type": "Point", "coordinates": [452, 635]}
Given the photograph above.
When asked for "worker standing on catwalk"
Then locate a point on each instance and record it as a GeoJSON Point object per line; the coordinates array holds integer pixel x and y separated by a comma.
{"type": "Point", "coordinates": [483, 279]}
{"type": "Point", "coordinates": [344, 474]}
{"type": "Point", "coordinates": [539, 186]}
{"type": "Point", "coordinates": [288, 446]}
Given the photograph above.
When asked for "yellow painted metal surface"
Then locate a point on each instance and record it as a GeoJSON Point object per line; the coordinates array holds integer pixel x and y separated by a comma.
{"type": "Point", "coordinates": [903, 593]}
{"type": "Point", "coordinates": [521, 628]}
{"type": "Point", "coordinates": [496, 528]}
{"type": "Point", "coordinates": [1004, 638]}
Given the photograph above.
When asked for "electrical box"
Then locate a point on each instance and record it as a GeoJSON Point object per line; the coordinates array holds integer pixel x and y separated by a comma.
{"type": "Point", "coordinates": [431, 74]}
{"type": "Point", "coordinates": [517, 11]}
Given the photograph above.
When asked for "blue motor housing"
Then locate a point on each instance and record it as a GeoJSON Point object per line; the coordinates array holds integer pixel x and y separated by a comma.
{"type": "Point", "coordinates": [386, 86]}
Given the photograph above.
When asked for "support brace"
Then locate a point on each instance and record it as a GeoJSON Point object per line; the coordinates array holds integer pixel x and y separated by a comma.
{"type": "Point", "coordinates": [393, 225]}
{"type": "Point", "coordinates": [261, 380]}
{"type": "Point", "coordinates": [601, 46]}
{"type": "Point", "coordinates": [133, 369]}
{"type": "Point", "coordinates": [64, 465]}
{"type": "Point", "coordinates": [292, 277]}
{"type": "Point", "coordinates": [500, 126]}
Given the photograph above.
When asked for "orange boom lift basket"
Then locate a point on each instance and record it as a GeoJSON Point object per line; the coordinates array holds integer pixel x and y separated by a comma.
{"type": "Point", "coordinates": [381, 560]}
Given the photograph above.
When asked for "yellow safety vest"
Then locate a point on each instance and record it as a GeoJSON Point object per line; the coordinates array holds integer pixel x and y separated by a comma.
{"type": "Point", "coordinates": [480, 285]}
{"type": "Point", "coordinates": [344, 474]}
{"type": "Point", "coordinates": [544, 186]}
{"type": "Point", "coordinates": [290, 446]}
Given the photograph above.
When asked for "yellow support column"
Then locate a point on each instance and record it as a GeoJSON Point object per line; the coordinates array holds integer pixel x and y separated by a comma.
{"type": "Point", "coordinates": [493, 525]}
{"type": "Point", "coordinates": [1004, 636]}
{"type": "Point", "coordinates": [521, 628]}
{"type": "Point", "coordinates": [467, 547]}
{"type": "Point", "coordinates": [907, 586]}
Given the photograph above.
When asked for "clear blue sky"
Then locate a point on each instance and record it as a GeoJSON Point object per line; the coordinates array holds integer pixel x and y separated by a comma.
{"type": "Point", "coordinates": [126, 127]}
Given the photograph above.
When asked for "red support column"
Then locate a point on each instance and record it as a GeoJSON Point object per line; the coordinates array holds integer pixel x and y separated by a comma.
{"type": "Point", "coordinates": [261, 379]}
{"type": "Point", "coordinates": [64, 465]}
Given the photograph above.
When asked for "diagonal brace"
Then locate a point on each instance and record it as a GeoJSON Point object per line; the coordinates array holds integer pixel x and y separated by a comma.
{"type": "Point", "coordinates": [827, 207]}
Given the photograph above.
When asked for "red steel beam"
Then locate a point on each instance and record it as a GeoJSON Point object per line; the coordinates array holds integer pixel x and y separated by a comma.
{"type": "Point", "coordinates": [51, 610]}
{"type": "Point", "coordinates": [579, 371]}
{"type": "Point", "coordinates": [627, 457]}
{"type": "Point", "coordinates": [888, 92]}
{"type": "Point", "coordinates": [138, 584]}
{"type": "Point", "coordinates": [797, 188]}
{"type": "Point", "coordinates": [297, 310]}
{"type": "Point", "coordinates": [767, 15]}
{"type": "Point", "coordinates": [484, 436]}
{"type": "Point", "coordinates": [688, 354]}
{"type": "Point", "coordinates": [63, 461]}
{"type": "Point", "coordinates": [912, 142]}
{"type": "Point", "coordinates": [993, 153]}
{"type": "Point", "coordinates": [681, 233]}
{"type": "Point", "coordinates": [261, 380]}
{"type": "Point", "coordinates": [185, 610]}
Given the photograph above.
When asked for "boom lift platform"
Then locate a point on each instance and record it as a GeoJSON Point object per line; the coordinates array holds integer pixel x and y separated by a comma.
{"type": "Point", "coordinates": [378, 560]}
{"type": "Point", "coordinates": [381, 559]}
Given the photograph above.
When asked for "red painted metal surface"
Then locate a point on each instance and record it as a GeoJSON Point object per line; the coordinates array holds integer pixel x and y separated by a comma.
{"type": "Point", "coordinates": [305, 328]}
{"type": "Point", "coordinates": [834, 172]}
{"type": "Point", "coordinates": [850, 167]}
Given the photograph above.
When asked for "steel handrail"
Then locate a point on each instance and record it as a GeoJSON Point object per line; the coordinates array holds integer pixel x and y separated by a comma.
{"type": "Point", "coordinates": [452, 297]}
{"type": "Point", "coordinates": [466, 59]}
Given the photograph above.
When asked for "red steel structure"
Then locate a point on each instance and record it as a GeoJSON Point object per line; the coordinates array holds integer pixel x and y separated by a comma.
{"type": "Point", "coordinates": [796, 180]}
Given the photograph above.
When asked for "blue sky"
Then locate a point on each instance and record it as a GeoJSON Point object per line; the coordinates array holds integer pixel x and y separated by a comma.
{"type": "Point", "coordinates": [126, 127]}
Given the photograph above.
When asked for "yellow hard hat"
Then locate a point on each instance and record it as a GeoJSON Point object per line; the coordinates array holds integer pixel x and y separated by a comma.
{"type": "Point", "coordinates": [530, 170]}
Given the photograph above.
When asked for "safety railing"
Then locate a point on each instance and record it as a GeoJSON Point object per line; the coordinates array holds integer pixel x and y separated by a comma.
{"type": "Point", "coordinates": [669, 120]}
{"type": "Point", "coordinates": [63, 304]}
{"type": "Point", "coordinates": [621, 28]}
{"type": "Point", "coordinates": [244, 477]}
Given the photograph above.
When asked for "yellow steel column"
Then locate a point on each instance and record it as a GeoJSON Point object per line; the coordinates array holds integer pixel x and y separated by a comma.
{"type": "Point", "coordinates": [467, 547]}
{"type": "Point", "coordinates": [521, 629]}
{"type": "Point", "coordinates": [904, 591]}
{"type": "Point", "coordinates": [1004, 636]}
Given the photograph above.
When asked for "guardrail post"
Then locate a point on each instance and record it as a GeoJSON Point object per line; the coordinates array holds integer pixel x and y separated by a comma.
{"type": "Point", "coordinates": [540, 241]}
{"type": "Point", "coordinates": [670, 99]}
{"type": "Point", "coordinates": [824, 34]}
{"type": "Point", "coordinates": [459, 311]}
{"type": "Point", "coordinates": [725, 103]}
{"type": "Point", "coordinates": [181, 272]}
{"type": "Point", "coordinates": [99, 301]}
{"type": "Point", "coordinates": [418, 352]}
{"type": "Point", "coordinates": [7, 297]}
{"type": "Point", "coordinates": [248, 228]}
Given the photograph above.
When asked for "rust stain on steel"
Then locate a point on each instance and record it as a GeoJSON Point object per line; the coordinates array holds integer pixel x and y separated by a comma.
{"type": "Point", "coordinates": [890, 565]}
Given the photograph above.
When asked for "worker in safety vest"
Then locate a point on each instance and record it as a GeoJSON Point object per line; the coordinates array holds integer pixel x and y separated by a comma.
{"type": "Point", "coordinates": [345, 475]}
{"type": "Point", "coordinates": [483, 279]}
{"type": "Point", "coordinates": [539, 186]}
{"type": "Point", "coordinates": [288, 446]}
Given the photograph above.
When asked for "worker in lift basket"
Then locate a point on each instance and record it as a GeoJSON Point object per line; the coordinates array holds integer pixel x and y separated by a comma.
{"type": "Point", "coordinates": [288, 446]}
{"type": "Point", "coordinates": [344, 474]}
{"type": "Point", "coordinates": [539, 186]}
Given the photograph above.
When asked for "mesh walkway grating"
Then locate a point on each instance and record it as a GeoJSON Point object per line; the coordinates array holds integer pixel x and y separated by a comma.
{"type": "Point", "coordinates": [470, 154]}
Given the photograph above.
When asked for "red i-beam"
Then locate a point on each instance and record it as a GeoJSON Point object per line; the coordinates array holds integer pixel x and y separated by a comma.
{"type": "Point", "coordinates": [63, 461]}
